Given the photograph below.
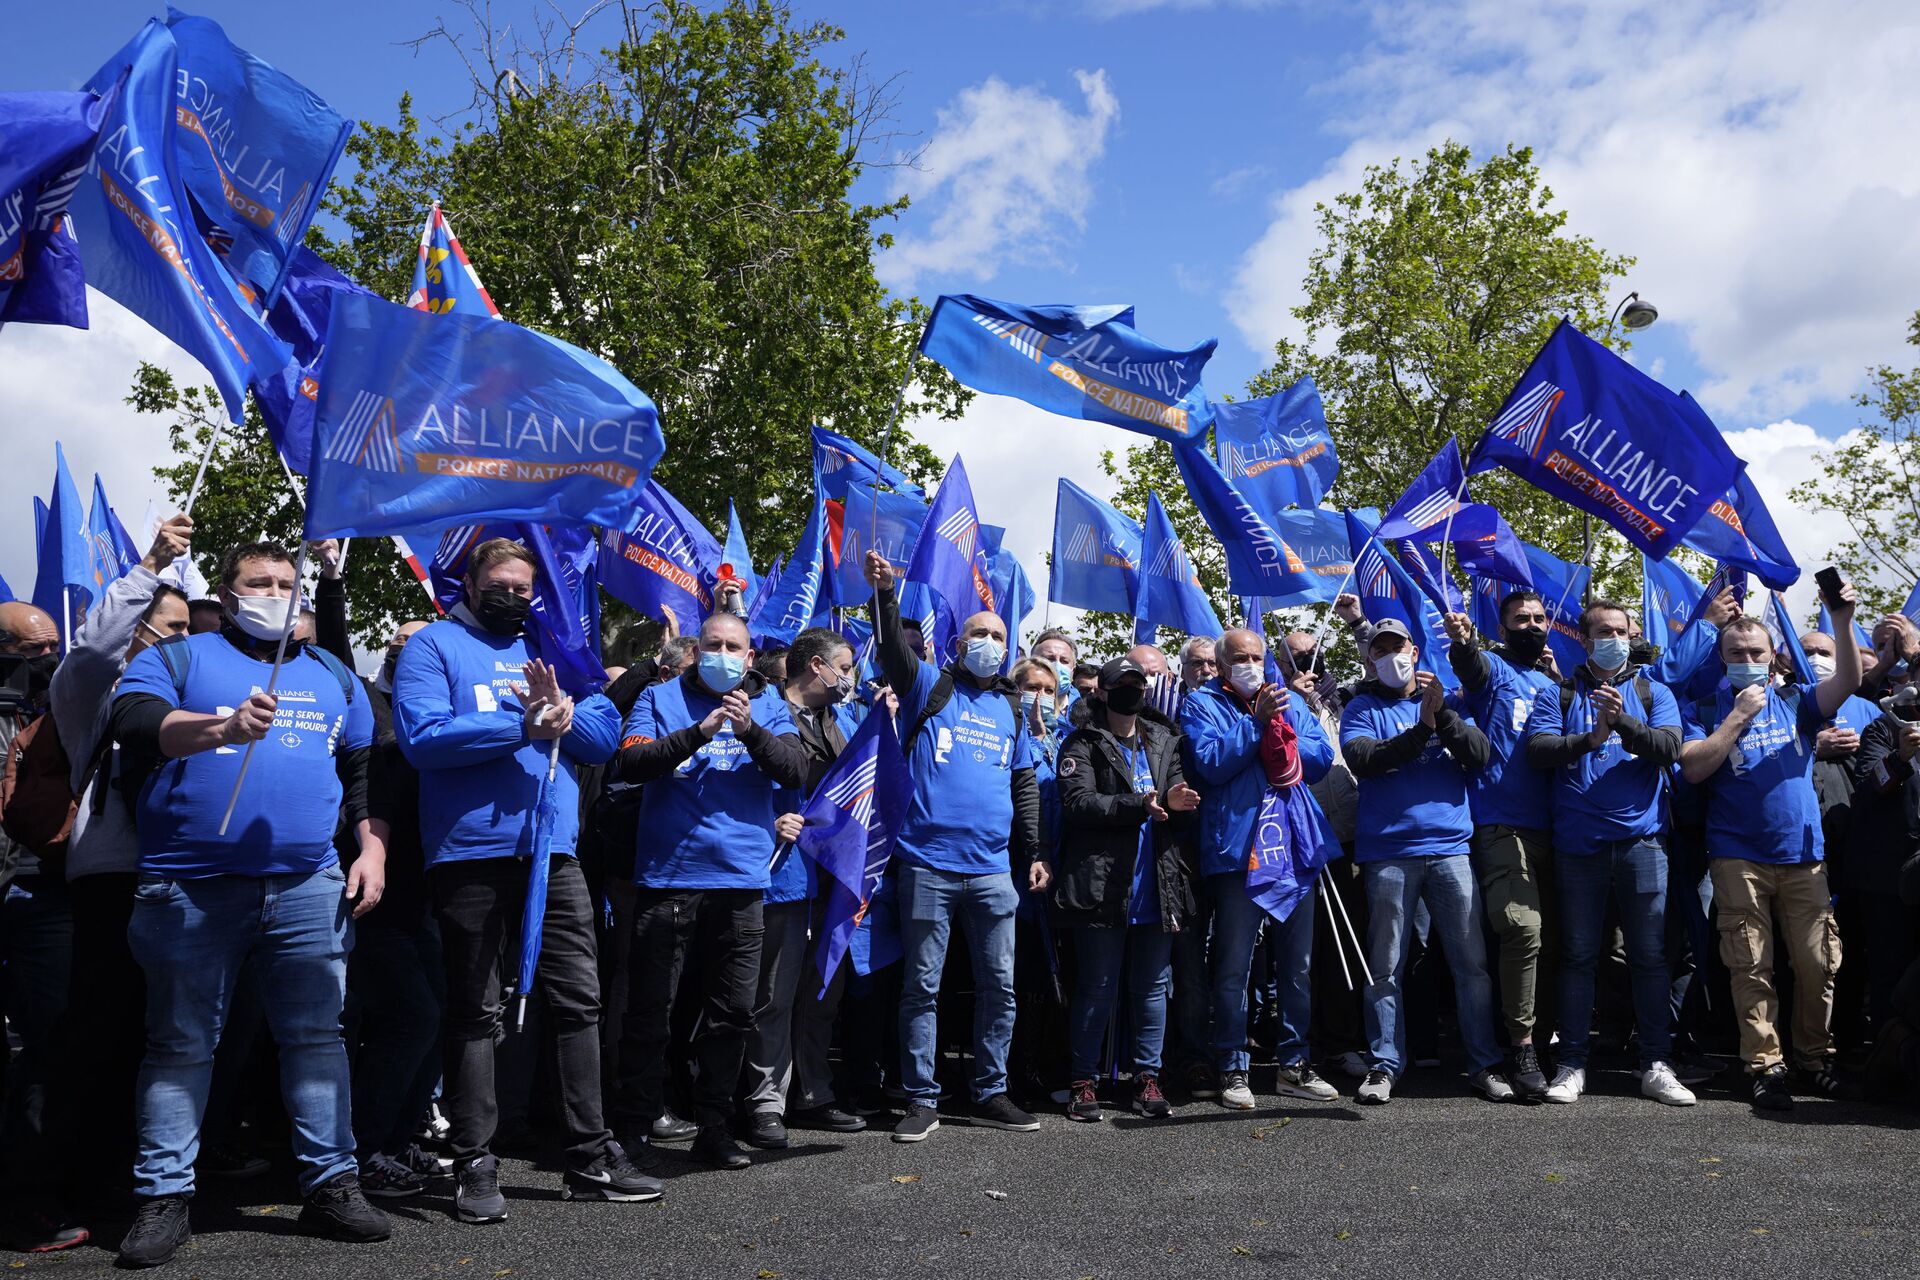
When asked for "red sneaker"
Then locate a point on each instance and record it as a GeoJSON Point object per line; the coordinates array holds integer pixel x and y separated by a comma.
{"type": "Point", "coordinates": [1147, 1098]}
{"type": "Point", "coordinates": [1084, 1104]}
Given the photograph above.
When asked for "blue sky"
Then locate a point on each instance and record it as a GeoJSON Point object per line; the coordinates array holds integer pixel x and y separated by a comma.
{"type": "Point", "coordinates": [1757, 156]}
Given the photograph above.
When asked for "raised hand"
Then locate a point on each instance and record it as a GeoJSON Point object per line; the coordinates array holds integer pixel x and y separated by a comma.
{"type": "Point", "coordinates": [1459, 628]}
{"type": "Point", "coordinates": [879, 571]}
{"type": "Point", "coordinates": [1749, 702]}
{"type": "Point", "coordinates": [1432, 697]}
{"type": "Point", "coordinates": [787, 827]}
{"type": "Point", "coordinates": [173, 539]}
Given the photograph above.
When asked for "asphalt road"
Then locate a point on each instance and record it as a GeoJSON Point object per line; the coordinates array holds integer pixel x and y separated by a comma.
{"type": "Point", "coordinates": [1437, 1183]}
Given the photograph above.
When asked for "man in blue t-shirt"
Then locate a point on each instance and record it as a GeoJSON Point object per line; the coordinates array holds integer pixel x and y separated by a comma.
{"type": "Point", "coordinates": [1411, 748]}
{"type": "Point", "coordinates": [260, 888]}
{"type": "Point", "coordinates": [489, 729]}
{"type": "Point", "coordinates": [1609, 739]}
{"type": "Point", "coordinates": [711, 747]}
{"type": "Point", "coordinates": [1512, 821]}
{"type": "Point", "coordinates": [975, 808]}
{"type": "Point", "coordinates": [1753, 744]}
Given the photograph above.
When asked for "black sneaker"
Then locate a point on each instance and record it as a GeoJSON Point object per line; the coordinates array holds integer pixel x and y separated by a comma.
{"type": "Point", "coordinates": [1083, 1101]}
{"type": "Point", "coordinates": [871, 1102]}
{"type": "Point", "coordinates": [1147, 1098]}
{"type": "Point", "coordinates": [612, 1176]}
{"type": "Point", "coordinates": [337, 1209]}
{"type": "Point", "coordinates": [385, 1178]}
{"type": "Point", "coordinates": [998, 1112]}
{"type": "Point", "coordinates": [1202, 1083]}
{"type": "Point", "coordinates": [1524, 1074]}
{"type": "Point", "coordinates": [1770, 1090]}
{"type": "Point", "coordinates": [671, 1128]}
{"type": "Point", "coordinates": [159, 1228]}
{"type": "Point", "coordinates": [919, 1121]}
{"type": "Point", "coordinates": [716, 1149]}
{"type": "Point", "coordinates": [422, 1163]}
{"type": "Point", "coordinates": [766, 1132]}
{"type": "Point", "coordinates": [1823, 1081]}
{"type": "Point", "coordinates": [476, 1191]}
{"type": "Point", "coordinates": [827, 1119]}
{"type": "Point", "coordinates": [228, 1163]}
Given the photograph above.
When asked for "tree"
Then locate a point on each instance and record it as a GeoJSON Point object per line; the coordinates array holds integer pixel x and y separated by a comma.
{"type": "Point", "coordinates": [680, 204]}
{"type": "Point", "coordinates": [1872, 478]}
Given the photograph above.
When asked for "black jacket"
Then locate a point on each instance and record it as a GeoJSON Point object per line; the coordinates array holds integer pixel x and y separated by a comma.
{"type": "Point", "coordinates": [1100, 828]}
{"type": "Point", "coordinates": [1886, 811]}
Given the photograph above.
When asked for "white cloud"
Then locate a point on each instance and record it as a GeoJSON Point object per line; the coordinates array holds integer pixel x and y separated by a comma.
{"type": "Point", "coordinates": [1779, 456]}
{"type": "Point", "coordinates": [1757, 158]}
{"type": "Point", "coordinates": [1006, 168]}
{"type": "Point", "coordinates": [67, 385]}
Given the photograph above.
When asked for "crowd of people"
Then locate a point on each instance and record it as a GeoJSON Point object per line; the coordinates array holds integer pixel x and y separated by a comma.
{"type": "Point", "coordinates": [1632, 857]}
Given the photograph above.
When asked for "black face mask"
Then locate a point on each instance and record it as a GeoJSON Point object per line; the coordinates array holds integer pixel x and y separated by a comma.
{"type": "Point", "coordinates": [40, 670]}
{"type": "Point", "coordinates": [502, 612]}
{"type": "Point", "coordinates": [1309, 662]}
{"type": "Point", "coordinates": [1127, 699]}
{"type": "Point", "coordinates": [393, 660]}
{"type": "Point", "coordinates": [1526, 644]}
{"type": "Point", "coordinates": [1640, 652]}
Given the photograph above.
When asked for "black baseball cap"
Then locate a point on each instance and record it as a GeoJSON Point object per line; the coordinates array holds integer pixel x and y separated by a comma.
{"type": "Point", "coordinates": [1119, 669]}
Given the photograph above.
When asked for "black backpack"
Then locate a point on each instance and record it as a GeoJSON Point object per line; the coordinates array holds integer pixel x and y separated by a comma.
{"type": "Point", "coordinates": [940, 695]}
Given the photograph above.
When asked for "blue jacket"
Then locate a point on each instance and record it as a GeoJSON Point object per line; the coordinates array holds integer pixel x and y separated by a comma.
{"type": "Point", "coordinates": [1222, 746]}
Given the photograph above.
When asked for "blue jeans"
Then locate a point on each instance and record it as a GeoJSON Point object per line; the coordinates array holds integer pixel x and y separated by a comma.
{"type": "Point", "coordinates": [930, 901]}
{"type": "Point", "coordinates": [1395, 889]}
{"type": "Point", "coordinates": [1147, 951]}
{"type": "Point", "coordinates": [1236, 929]}
{"type": "Point", "coordinates": [1634, 874]}
{"type": "Point", "coordinates": [193, 937]}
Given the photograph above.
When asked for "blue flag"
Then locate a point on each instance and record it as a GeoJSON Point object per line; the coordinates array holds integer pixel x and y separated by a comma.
{"type": "Point", "coordinates": [1786, 639]}
{"type": "Point", "coordinates": [1668, 597]}
{"type": "Point", "coordinates": [444, 281]}
{"type": "Point", "coordinates": [1912, 607]}
{"type": "Point", "coordinates": [1436, 494]}
{"type": "Point", "coordinates": [1170, 593]}
{"type": "Point", "coordinates": [1013, 597]}
{"type": "Point", "coordinates": [948, 558]}
{"type": "Point", "coordinates": [736, 560]}
{"type": "Point", "coordinates": [6, 592]}
{"type": "Point", "coordinates": [1499, 554]}
{"type": "Point", "coordinates": [40, 516]}
{"type": "Point", "coordinates": [1424, 569]}
{"type": "Point", "coordinates": [1259, 561]}
{"type": "Point", "coordinates": [133, 216]}
{"type": "Point", "coordinates": [1739, 530]}
{"type": "Point", "coordinates": [299, 315]}
{"type": "Point", "coordinates": [1562, 588]}
{"type": "Point", "coordinates": [839, 461]}
{"type": "Point", "coordinates": [256, 148]}
{"type": "Point", "coordinates": [851, 823]}
{"type": "Point", "coordinates": [1292, 841]}
{"type": "Point", "coordinates": [1096, 553]}
{"type": "Point", "coordinates": [893, 534]}
{"type": "Point", "coordinates": [663, 558]}
{"type": "Point", "coordinates": [1277, 450]}
{"type": "Point", "coordinates": [1726, 577]}
{"type": "Point", "coordinates": [45, 139]}
{"type": "Point", "coordinates": [1079, 361]}
{"type": "Point", "coordinates": [64, 585]}
{"type": "Point", "coordinates": [795, 598]}
{"type": "Point", "coordinates": [110, 550]}
{"type": "Point", "coordinates": [1862, 637]}
{"type": "Point", "coordinates": [1386, 591]}
{"type": "Point", "coordinates": [1587, 427]}
{"type": "Point", "coordinates": [562, 627]}
{"type": "Point", "coordinates": [426, 422]}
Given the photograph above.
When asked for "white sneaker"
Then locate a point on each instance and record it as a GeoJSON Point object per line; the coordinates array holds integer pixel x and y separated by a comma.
{"type": "Point", "coordinates": [1235, 1095]}
{"type": "Point", "coordinates": [1568, 1084]}
{"type": "Point", "coordinates": [1662, 1085]}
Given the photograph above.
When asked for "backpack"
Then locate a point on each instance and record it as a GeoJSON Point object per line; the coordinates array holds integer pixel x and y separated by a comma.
{"type": "Point", "coordinates": [37, 800]}
{"type": "Point", "coordinates": [1642, 688]}
{"type": "Point", "coordinates": [940, 695]}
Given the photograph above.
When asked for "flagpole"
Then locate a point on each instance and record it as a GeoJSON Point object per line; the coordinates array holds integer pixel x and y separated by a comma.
{"type": "Point", "coordinates": [1446, 534]}
{"type": "Point", "coordinates": [206, 456]}
{"type": "Point", "coordinates": [1327, 617]}
{"type": "Point", "coordinates": [1358, 953]}
{"type": "Point", "coordinates": [1560, 605]}
{"type": "Point", "coordinates": [66, 620]}
{"type": "Point", "coordinates": [1339, 943]}
{"type": "Point", "coordinates": [273, 680]}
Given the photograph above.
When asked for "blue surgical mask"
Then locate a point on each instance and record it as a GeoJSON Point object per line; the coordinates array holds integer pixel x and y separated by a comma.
{"type": "Point", "coordinates": [1045, 709]}
{"type": "Point", "coordinates": [1742, 674]}
{"type": "Point", "coordinates": [984, 656]}
{"type": "Point", "coordinates": [722, 672]}
{"type": "Point", "coordinates": [1610, 653]}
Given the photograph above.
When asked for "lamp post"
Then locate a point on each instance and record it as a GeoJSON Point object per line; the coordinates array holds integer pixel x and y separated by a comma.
{"type": "Point", "coordinates": [1632, 313]}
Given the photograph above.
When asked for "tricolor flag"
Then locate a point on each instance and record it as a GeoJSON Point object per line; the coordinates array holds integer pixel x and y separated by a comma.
{"type": "Point", "coordinates": [851, 823]}
{"type": "Point", "coordinates": [444, 282]}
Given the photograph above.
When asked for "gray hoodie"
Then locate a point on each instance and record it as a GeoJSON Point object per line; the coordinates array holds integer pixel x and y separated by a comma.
{"type": "Point", "coordinates": [82, 699]}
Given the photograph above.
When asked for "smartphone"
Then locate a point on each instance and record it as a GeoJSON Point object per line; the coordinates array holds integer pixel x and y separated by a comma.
{"type": "Point", "coordinates": [1829, 582]}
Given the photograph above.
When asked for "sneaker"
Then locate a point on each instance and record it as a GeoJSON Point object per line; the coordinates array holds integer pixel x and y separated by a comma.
{"type": "Point", "coordinates": [422, 1163]}
{"type": "Point", "coordinates": [1698, 1070]}
{"type": "Point", "coordinates": [159, 1228]}
{"type": "Point", "coordinates": [385, 1178]}
{"type": "Point", "coordinates": [228, 1163]}
{"type": "Point", "coordinates": [1083, 1101]}
{"type": "Point", "coordinates": [1147, 1098]}
{"type": "Point", "coordinates": [919, 1121]}
{"type": "Point", "coordinates": [1568, 1084]}
{"type": "Point", "coordinates": [1661, 1084]}
{"type": "Point", "coordinates": [870, 1102]}
{"type": "Point", "coordinates": [1376, 1090]}
{"type": "Point", "coordinates": [998, 1112]}
{"type": "Point", "coordinates": [1302, 1081]}
{"type": "Point", "coordinates": [1235, 1093]}
{"type": "Point", "coordinates": [37, 1228]}
{"type": "Point", "coordinates": [671, 1128]}
{"type": "Point", "coordinates": [766, 1131]}
{"type": "Point", "coordinates": [1524, 1074]}
{"type": "Point", "coordinates": [1491, 1085]}
{"type": "Point", "coordinates": [716, 1149]}
{"type": "Point", "coordinates": [827, 1119]}
{"type": "Point", "coordinates": [337, 1210]}
{"type": "Point", "coordinates": [1350, 1063]}
{"type": "Point", "coordinates": [1770, 1091]}
{"type": "Point", "coordinates": [1202, 1084]}
{"type": "Point", "coordinates": [1822, 1081]}
{"type": "Point", "coordinates": [476, 1191]}
{"type": "Point", "coordinates": [611, 1176]}
{"type": "Point", "coordinates": [437, 1126]}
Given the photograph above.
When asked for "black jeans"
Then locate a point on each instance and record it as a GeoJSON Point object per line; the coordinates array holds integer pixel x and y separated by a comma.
{"type": "Point", "coordinates": [396, 996]}
{"type": "Point", "coordinates": [98, 1044]}
{"type": "Point", "coordinates": [36, 951]}
{"type": "Point", "coordinates": [478, 905]}
{"type": "Point", "coordinates": [723, 929]}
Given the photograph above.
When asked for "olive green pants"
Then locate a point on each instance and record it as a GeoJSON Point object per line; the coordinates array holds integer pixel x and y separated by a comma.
{"type": "Point", "coordinates": [1515, 870]}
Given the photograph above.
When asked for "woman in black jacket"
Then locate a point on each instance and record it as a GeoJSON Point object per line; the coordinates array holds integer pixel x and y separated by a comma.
{"type": "Point", "coordinates": [1122, 880]}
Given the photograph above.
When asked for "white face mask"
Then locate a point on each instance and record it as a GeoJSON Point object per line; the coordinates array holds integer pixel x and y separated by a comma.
{"type": "Point", "coordinates": [1395, 669]}
{"type": "Point", "coordinates": [1821, 664]}
{"type": "Point", "coordinates": [262, 617]}
{"type": "Point", "coordinates": [1246, 678]}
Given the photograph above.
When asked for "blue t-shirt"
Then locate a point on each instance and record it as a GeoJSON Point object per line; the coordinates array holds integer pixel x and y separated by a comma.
{"type": "Point", "coordinates": [709, 823]}
{"type": "Point", "coordinates": [289, 806]}
{"type": "Point", "coordinates": [460, 723]}
{"type": "Point", "coordinates": [1144, 902]}
{"type": "Point", "coordinates": [1508, 791]}
{"type": "Point", "coordinates": [1606, 795]}
{"type": "Point", "coordinates": [960, 818]}
{"type": "Point", "coordinates": [1761, 805]}
{"type": "Point", "coordinates": [1418, 810]}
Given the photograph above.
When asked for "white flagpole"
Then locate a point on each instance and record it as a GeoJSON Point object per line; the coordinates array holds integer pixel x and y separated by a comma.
{"type": "Point", "coordinates": [200, 474]}
{"type": "Point", "coordinates": [1446, 533]}
{"type": "Point", "coordinates": [1359, 952]}
{"type": "Point", "coordinates": [279, 657]}
{"type": "Point", "coordinates": [1339, 943]}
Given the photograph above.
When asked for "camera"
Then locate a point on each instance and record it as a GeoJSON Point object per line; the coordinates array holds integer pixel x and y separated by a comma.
{"type": "Point", "coordinates": [1904, 705]}
{"type": "Point", "coordinates": [14, 687]}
